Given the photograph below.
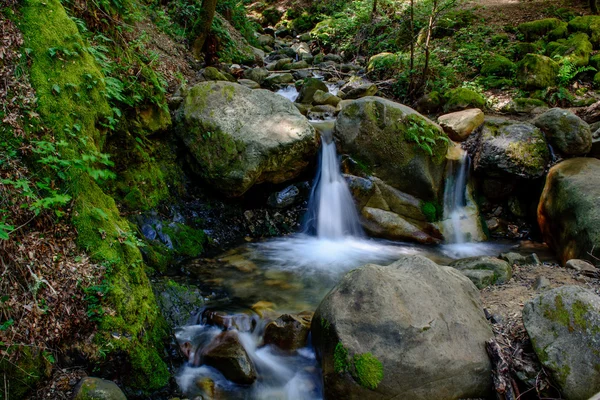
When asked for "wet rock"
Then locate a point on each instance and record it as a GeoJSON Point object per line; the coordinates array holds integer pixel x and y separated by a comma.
{"type": "Point", "coordinates": [390, 225]}
{"type": "Point", "coordinates": [323, 98]}
{"type": "Point", "coordinates": [90, 388]}
{"type": "Point", "coordinates": [568, 133]}
{"type": "Point", "coordinates": [207, 388]}
{"type": "Point", "coordinates": [321, 112]}
{"type": "Point", "coordinates": [369, 130]}
{"type": "Point", "coordinates": [361, 188]}
{"type": "Point", "coordinates": [519, 259]}
{"type": "Point", "coordinates": [178, 302]}
{"type": "Point", "coordinates": [257, 75]}
{"type": "Point", "coordinates": [309, 87]}
{"type": "Point", "coordinates": [239, 137]}
{"type": "Point", "coordinates": [240, 321]}
{"type": "Point", "coordinates": [275, 80]}
{"type": "Point", "coordinates": [492, 224]}
{"type": "Point", "coordinates": [564, 327]}
{"type": "Point", "coordinates": [358, 87]}
{"type": "Point", "coordinates": [512, 149]}
{"type": "Point", "coordinates": [395, 331]}
{"type": "Point", "coordinates": [291, 195]}
{"type": "Point", "coordinates": [227, 354]}
{"type": "Point", "coordinates": [289, 332]}
{"type": "Point", "coordinates": [459, 125]}
{"type": "Point", "coordinates": [484, 271]}
{"type": "Point", "coordinates": [569, 210]}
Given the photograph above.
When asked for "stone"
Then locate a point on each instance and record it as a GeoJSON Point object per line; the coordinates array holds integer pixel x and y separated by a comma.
{"type": "Point", "coordinates": [569, 210]}
{"type": "Point", "coordinates": [238, 137]}
{"type": "Point", "coordinates": [178, 302]}
{"type": "Point", "coordinates": [257, 75]}
{"type": "Point", "coordinates": [374, 131]}
{"type": "Point", "coordinates": [289, 196]}
{"type": "Point", "coordinates": [568, 133]}
{"type": "Point", "coordinates": [308, 90]}
{"type": "Point", "coordinates": [392, 226]}
{"type": "Point", "coordinates": [212, 74]}
{"type": "Point", "coordinates": [289, 332]}
{"type": "Point", "coordinates": [296, 65]}
{"type": "Point", "coordinates": [395, 332]}
{"type": "Point", "coordinates": [226, 354]}
{"type": "Point", "coordinates": [576, 49]}
{"type": "Point", "coordinates": [460, 124]}
{"type": "Point", "coordinates": [362, 189]}
{"type": "Point", "coordinates": [519, 259]}
{"type": "Point", "coordinates": [250, 84]}
{"type": "Point", "coordinates": [461, 98]}
{"type": "Point", "coordinates": [484, 271]}
{"type": "Point", "coordinates": [564, 327]}
{"type": "Point", "coordinates": [275, 80]}
{"type": "Point", "coordinates": [525, 106]}
{"type": "Point", "coordinates": [535, 71]}
{"type": "Point", "coordinates": [535, 30]}
{"type": "Point", "coordinates": [266, 40]}
{"type": "Point", "coordinates": [90, 388]}
{"type": "Point", "coordinates": [589, 24]}
{"type": "Point", "coordinates": [510, 149]}
{"type": "Point", "coordinates": [323, 98]}
{"type": "Point", "coordinates": [497, 65]}
{"type": "Point", "coordinates": [581, 266]}
{"type": "Point", "coordinates": [358, 87]}
{"type": "Point", "coordinates": [541, 283]}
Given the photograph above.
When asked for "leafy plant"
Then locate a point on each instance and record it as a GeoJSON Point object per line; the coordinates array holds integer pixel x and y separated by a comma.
{"type": "Point", "coordinates": [424, 135]}
{"type": "Point", "coordinates": [568, 71]}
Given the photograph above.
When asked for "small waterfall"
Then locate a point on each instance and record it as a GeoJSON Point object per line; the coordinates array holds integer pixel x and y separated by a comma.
{"type": "Point", "coordinates": [289, 92]}
{"type": "Point", "coordinates": [331, 210]}
{"type": "Point", "coordinates": [455, 199]}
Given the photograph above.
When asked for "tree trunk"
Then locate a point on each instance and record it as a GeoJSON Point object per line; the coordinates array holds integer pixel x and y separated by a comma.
{"type": "Point", "coordinates": [432, 18]}
{"type": "Point", "coordinates": [411, 83]}
{"type": "Point", "coordinates": [594, 6]}
{"type": "Point", "coordinates": [374, 11]}
{"type": "Point", "coordinates": [208, 13]}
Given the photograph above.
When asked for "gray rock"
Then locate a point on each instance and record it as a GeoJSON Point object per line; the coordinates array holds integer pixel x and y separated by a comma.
{"type": "Point", "coordinates": [257, 75]}
{"type": "Point", "coordinates": [227, 354]}
{"type": "Point", "coordinates": [178, 302]}
{"type": "Point", "coordinates": [564, 327]}
{"type": "Point", "coordinates": [275, 80]}
{"type": "Point", "coordinates": [266, 40]}
{"type": "Point", "coordinates": [519, 259]}
{"type": "Point", "coordinates": [484, 271]}
{"type": "Point", "coordinates": [323, 98]}
{"type": "Point", "coordinates": [358, 87]}
{"type": "Point", "coordinates": [541, 283]}
{"type": "Point", "coordinates": [511, 149]}
{"type": "Point", "coordinates": [239, 137]}
{"type": "Point", "coordinates": [581, 266]}
{"type": "Point", "coordinates": [568, 133]}
{"type": "Point", "coordinates": [250, 84]}
{"type": "Point", "coordinates": [289, 196]}
{"type": "Point", "coordinates": [396, 331]}
{"type": "Point", "coordinates": [459, 125]}
{"type": "Point", "coordinates": [309, 87]}
{"type": "Point", "coordinates": [90, 388]}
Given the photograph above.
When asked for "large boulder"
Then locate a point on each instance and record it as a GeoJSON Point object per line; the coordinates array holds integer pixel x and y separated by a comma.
{"type": "Point", "coordinates": [459, 125]}
{"type": "Point", "coordinates": [309, 87]}
{"type": "Point", "coordinates": [534, 30]}
{"type": "Point", "coordinates": [568, 133]}
{"type": "Point", "coordinates": [90, 388]}
{"type": "Point", "coordinates": [564, 327]}
{"type": "Point", "coordinates": [576, 49]}
{"type": "Point", "coordinates": [569, 209]}
{"type": "Point", "coordinates": [535, 71]}
{"type": "Point", "coordinates": [413, 330]}
{"type": "Point", "coordinates": [238, 137]}
{"type": "Point", "coordinates": [389, 140]}
{"type": "Point", "coordinates": [510, 149]}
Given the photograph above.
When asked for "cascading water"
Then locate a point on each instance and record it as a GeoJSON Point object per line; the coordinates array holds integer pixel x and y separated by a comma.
{"type": "Point", "coordinates": [455, 198]}
{"type": "Point", "coordinates": [331, 211]}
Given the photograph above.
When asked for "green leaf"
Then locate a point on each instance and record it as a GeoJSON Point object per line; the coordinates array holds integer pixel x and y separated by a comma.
{"type": "Point", "coordinates": [56, 89]}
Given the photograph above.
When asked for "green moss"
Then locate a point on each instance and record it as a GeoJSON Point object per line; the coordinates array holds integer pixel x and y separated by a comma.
{"type": "Point", "coordinates": [461, 98]}
{"type": "Point", "coordinates": [187, 241]}
{"type": "Point", "coordinates": [589, 24]}
{"type": "Point", "coordinates": [531, 154]}
{"type": "Point", "coordinates": [340, 358]}
{"type": "Point", "coordinates": [23, 376]}
{"type": "Point", "coordinates": [562, 31]}
{"type": "Point", "coordinates": [537, 29]}
{"type": "Point", "coordinates": [431, 210]}
{"type": "Point", "coordinates": [519, 50]}
{"type": "Point", "coordinates": [576, 49]}
{"type": "Point", "coordinates": [368, 370]}
{"type": "Point", "coordinates": [498, 65]}
{"type": "Point", "coordinates": [536, 72]}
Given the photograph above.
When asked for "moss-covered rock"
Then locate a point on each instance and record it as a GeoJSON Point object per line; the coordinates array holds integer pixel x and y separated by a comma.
{"type": "Point", "coordinates": [569, 211]}
{"type": "Point", "coordinates": [568, 133]}
{"type": "Point", "coordinates": [358, 87]}
{"type": "Point", "coordinates": [498, 65]}
{"type": "Point", "coordinates": [564, 327]}
{"type": "Point", "coordinates": [238, 137]}
{"type": "Point", "coordinates": [462, 98]}
{"type": "Point", "coordinates": [511, 149]}
{"type": "Point", "coordinates": [272, 15]}
{"type": "Point", "coordinates": [576, 49]}
{"type": "Point", "coordinates": [521, 49]}
{"type": "Point", "coordinates": [484, 271]}
{"type": "Point", "coordinates": [309, 88]}
{"type": "Point", "coordinates": [389, 138]}
{"type": "Point", "coordinates": [535, 30]}
{"type": "Point", "coordinates": [535, 71]}
{"type": "Point", "coordinates": [90, 388]}
{"type": "Point", "coordinates": [212, 74]}
{"type": "Point", "coordinates": [560, 32]}
{"type": "Point", "coordinates": [589, 24]}
{"type": "Point", "coordinates": [525, 106]}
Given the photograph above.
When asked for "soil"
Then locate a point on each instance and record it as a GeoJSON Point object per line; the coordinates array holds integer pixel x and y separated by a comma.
{"type": "Point", "coordinates": [515, 12]}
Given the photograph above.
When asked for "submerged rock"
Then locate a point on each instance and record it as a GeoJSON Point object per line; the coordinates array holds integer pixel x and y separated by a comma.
{"type": "Point", "coordinates": [289, 332]}
{"type": "Point", "coordinates": [90, 388]}
{"type": "Point", "coordinates": [412, 329]}
{"type": "Point", "coordinates": [564, 327]}
{"type": "Point", "coordinates": [569, 209]}
{"type": "Point", "coordinates": [484, 271]}
{"type": "Point", "coordinates": [227, 354]}
{"type": "Point", "coordinates": [238, 137]}
{"type": "Point", "coordinates": [568, 133]}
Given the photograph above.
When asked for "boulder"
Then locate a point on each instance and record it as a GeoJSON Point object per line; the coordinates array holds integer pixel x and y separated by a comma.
{"type": "Point", "coordinates": [581, 266]}
{"type": "Point", "coordinates": [212, 74]}
{"type": "Point", "coordinates": [510, 149]}
{"type": "Point", "coordinates": [484, 271]}
{"type": "Point", "coordinates": [525, 106]}
{"type": "Point", "coordinates": [498, 65]}
{"type": "Point", "coordinates": [460, 124]}
{"type": "Point", "coordinates": [227, 354]}
{"type": "Point", "coordinates": [461, 98]}
{"type": "Point", "coordinates": [564, 327]}
{"type": "Point", "coordinates": [569, 210]}
{"type": "Point", "coordinates": [383, 136]}
{"type": "Point", "coordinates": [250, 84]}
{"type": "Point", "coordinates": [323, 98]}
{"type": "Point", "coordinates": [309, 87]}
{"type": "Point", "coordinates": [576, 49]}
{"type": "Point", "coordinates": [589, 24]}
{"type": "Point", "coordinates": [275, 80]}
{"type": "Point", "coordinates": [389, 225]}
{"type": "Point", "coordinates": [568, 133]}
{"type": "Point", "coordinates": [178, 302]}
{"type": "Point", "coordinates": [519, 259]}
{"type": "Point", "coordinates": [238, 137]}
{"type": "Point", "coordinates": [535, 30]}
{"type": "Point", "coordinates": [396, 331]}
{"type": "Point", "coordinates": [535, 71]}
{"type": "Point", "coordinates": [90, 388]}
{"type": "Point", "coordinates": [289, 332]}
{"type": "Point", "coordinates": [358, 87]}
{"type": "Point", "coordinates": [257, 75]}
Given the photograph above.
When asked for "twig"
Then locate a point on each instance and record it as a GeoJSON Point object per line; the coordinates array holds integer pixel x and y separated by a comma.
{"type": "Point", "coordinates": [313, 69]}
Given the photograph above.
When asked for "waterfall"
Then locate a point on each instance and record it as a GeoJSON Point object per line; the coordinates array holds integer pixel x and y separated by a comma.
{"type": "Point", "coordinates": [455, 199]}
{"type": "Point", "coordinates": [331, 210]}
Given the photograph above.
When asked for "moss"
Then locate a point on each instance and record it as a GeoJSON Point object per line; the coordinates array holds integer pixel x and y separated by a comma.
{"type": "Point", "coordinates": [531, 154]}
{"type": "Point", "coordinates": [340, 358]}
{"type": "Point", "coordinates": [596, 80]}
{"type": "Point", "coordinates": [368, 370]}
{"type": "Point", "coordinates": [431, 210]}
{"type": "Point", "coordinates": [272, 15]}
{"type": "Point", "coordinates": [23, 377]}
{"type": "Point", "coordinates": [519, 50]}
{"type": "Point", "coordinates": [560, 32]}
{"type": "Point", "coordinates": [498, 65]}
{"type": "Point", "coordinates": [536, 72]}
{"type": "Point", "coordinates": [589, 24]}
{"type": "Point", "coordinates": [187, 241]}
{"type": "Point", "coordinates": [534, 30]}
{"type": "Point", "coordinates": [576, 49]}
{"type": "Point", "coordinates": [461, 98]}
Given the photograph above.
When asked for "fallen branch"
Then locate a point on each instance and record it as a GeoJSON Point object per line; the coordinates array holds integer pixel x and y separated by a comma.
{"type": "Point", "coordinates": [590, 114]}
{"type": "Point", "coordinates": [500, 371]}
{"type": "Point", "coordinates": [313, 69]}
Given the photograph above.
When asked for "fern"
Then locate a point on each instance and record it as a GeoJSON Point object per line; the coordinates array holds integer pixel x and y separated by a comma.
{"type": "Point", "coordinates": [568, 71]}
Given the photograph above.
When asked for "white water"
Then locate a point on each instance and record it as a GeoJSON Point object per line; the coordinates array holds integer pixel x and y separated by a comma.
{"type": "Point", "coordinates": [289, 92]}
{"type": "Point", "coordinates": [455, 198]}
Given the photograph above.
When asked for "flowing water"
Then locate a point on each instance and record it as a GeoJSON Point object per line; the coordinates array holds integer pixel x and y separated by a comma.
{"type": "Point", "coordinates": [289, 92]}
{"type": "Point", "coordinates": [260, 281]}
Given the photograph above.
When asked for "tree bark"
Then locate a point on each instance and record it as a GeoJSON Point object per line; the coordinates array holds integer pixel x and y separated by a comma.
{"type": "Point", "coordinates": [208, 14]}
{"type": "Point", "coordinates": [374, 10]}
